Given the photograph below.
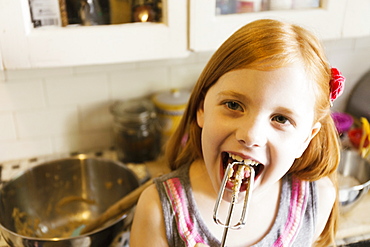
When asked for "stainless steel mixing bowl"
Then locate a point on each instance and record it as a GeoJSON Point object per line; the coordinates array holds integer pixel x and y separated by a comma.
{"type": "Point", "coordinates": [45, 204]}
{"type": "Point", "coordinates": [354, 179]}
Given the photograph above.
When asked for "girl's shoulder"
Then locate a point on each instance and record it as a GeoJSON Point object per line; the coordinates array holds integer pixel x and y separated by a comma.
{"type": "Point", "coordinates": [326, 193]}
{"type": "Point", "coordinates": [148, 226]}
{"type": "Point", "coordinates": [326, 196]}
{"type": "Point", "coordinates": [325, 185]}
{"type": "Point", "coordinates": [178, 178]}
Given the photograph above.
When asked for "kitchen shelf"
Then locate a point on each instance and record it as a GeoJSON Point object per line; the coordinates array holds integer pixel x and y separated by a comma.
{"type": "Point", "coordinates": [22, 46]}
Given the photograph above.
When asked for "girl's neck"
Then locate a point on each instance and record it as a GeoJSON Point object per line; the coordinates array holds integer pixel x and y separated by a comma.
{"type": "Point", "coordinates": [199, 179]}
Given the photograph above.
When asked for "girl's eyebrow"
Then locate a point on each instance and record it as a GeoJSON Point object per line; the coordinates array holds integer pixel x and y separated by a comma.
{"type": "Point", "coordinates": [231, 93]}
{"type": "Point", "coordinates": [287, 111]}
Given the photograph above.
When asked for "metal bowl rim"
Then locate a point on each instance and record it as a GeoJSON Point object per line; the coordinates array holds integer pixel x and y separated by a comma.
{"type": "Point", "coordinates": [49, 162]}
{"type": "Point", "coordinates": [357, 187]}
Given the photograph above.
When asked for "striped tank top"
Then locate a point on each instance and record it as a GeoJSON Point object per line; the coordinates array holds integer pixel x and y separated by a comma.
{"type": "Point", "coordinates": [294, 225]}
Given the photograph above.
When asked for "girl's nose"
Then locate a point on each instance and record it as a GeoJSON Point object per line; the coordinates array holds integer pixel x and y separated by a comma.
{"type": "Point", "coordinates": [251, 133]}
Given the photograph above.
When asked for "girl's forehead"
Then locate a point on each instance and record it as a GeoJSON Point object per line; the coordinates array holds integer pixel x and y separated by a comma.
{"type": "Point", "coordinates": [284, 87]}
{"type": "Point", "coordinates": [294, 77]}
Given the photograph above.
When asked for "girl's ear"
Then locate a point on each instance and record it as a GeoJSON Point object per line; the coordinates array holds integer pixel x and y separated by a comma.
{"type": "Point", "coordinates": [200, 115]}
{"type": "Point", "coordinates": [315, 129]}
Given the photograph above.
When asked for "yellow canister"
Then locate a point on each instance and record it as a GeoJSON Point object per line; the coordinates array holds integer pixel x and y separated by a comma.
{"type": "Point", "coordinates": [170, 106]}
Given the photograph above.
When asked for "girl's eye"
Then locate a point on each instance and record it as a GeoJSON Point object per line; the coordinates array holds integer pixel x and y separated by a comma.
{"type": "Point", "coordinates": [281, 119]}
{"type": "Point", "coordinates": [234, 106]}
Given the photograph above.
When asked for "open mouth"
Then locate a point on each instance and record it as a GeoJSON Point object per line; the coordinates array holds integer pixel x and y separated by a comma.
{"type": "Point", "coordinates": [228, 158]}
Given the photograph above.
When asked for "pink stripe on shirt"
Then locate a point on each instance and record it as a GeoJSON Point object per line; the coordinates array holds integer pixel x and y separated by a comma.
{"type": "Point", "coordinates": [298, 203]}
{"type": "Point", "coordinates": [185, 223]}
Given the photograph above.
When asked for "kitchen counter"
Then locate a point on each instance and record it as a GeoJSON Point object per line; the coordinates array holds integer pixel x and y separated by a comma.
{"type": "Point", "coordinates": [353, 226]}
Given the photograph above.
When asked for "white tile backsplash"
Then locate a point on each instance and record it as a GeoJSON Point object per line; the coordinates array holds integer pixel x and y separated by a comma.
{"type": "Point", "coordinates": [18, 149]}
{"type": "Point", "coordinates": [185, 76]}
{"type": "Point", "coordinates": [97, 140]}
{"type": "Point", "coordinates": [75, 90]}
{"type": "Point", "coordinates": [128, 84]}
{"type": "Point", "coordinates": [95, 116]}
{"type": "Point", "coordinates": [104, 68]}
{"type": "Point", "coordinates": [26, 74]}
{"type": "Point", "coordinates": [362, 43]}
{"type": "Point", "coordinates": [339, 45]}
{"type": "Point", "coordinates": [7, 124]}
{"type": "Point", "coordinates": [21, 94]}
{"type": "Point", "coordinates": [59, 110]}
{"type": "Point", "coordinates": [47, 122]}
{"type": "Point", "coordinates": [2, 75]}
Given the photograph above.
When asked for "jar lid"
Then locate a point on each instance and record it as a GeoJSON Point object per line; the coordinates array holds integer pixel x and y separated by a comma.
{"type": "Point", "coordinates": [133, 109]}
{"type": "Point", "coordinates": [172, 100]}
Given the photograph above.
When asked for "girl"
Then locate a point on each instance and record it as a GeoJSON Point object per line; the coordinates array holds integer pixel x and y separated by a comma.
{"type": "Point", "coordinates": [264, 98]}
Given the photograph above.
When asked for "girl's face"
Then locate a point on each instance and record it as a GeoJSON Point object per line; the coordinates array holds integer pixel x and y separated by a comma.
{"type": "Point", "coordinates": [263, 116]}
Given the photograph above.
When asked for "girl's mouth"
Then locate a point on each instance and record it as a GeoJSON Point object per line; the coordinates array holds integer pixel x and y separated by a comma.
{"type": "Point", "coordinates": [228, 158]}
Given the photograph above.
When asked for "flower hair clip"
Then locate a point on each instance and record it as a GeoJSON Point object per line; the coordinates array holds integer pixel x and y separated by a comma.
{"type": "Point", "coordinates": [336, 84]}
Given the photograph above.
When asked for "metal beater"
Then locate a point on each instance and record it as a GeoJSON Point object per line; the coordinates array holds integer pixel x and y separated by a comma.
{"type": "Point", "coordinates": [234, 198]}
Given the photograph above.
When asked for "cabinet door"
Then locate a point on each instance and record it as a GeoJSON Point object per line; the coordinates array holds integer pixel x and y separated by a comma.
{"type": "Point", "coordinates": [357, 19]}
{"type": "Point", "coordinates": [208, 30]}
{"type": "Point", "coordinates": [22, 46]}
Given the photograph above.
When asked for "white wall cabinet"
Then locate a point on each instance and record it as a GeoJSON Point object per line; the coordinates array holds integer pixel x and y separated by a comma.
{"type": "Point", "coordinates": [336, 19]}
{"type": "Point", "coordinates": [357, 19]}
{"type": "Point", "coordinates": [188, 25]}
{"type": "Point", "coordinates": [22, 46]}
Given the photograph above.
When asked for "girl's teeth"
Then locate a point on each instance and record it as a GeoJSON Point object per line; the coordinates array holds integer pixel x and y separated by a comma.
{"type": "Point", "coordinates": [240, 159]}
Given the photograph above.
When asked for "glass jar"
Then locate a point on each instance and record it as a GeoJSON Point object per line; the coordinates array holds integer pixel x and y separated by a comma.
{"type": "Point", "coordinates": [136, 131]}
